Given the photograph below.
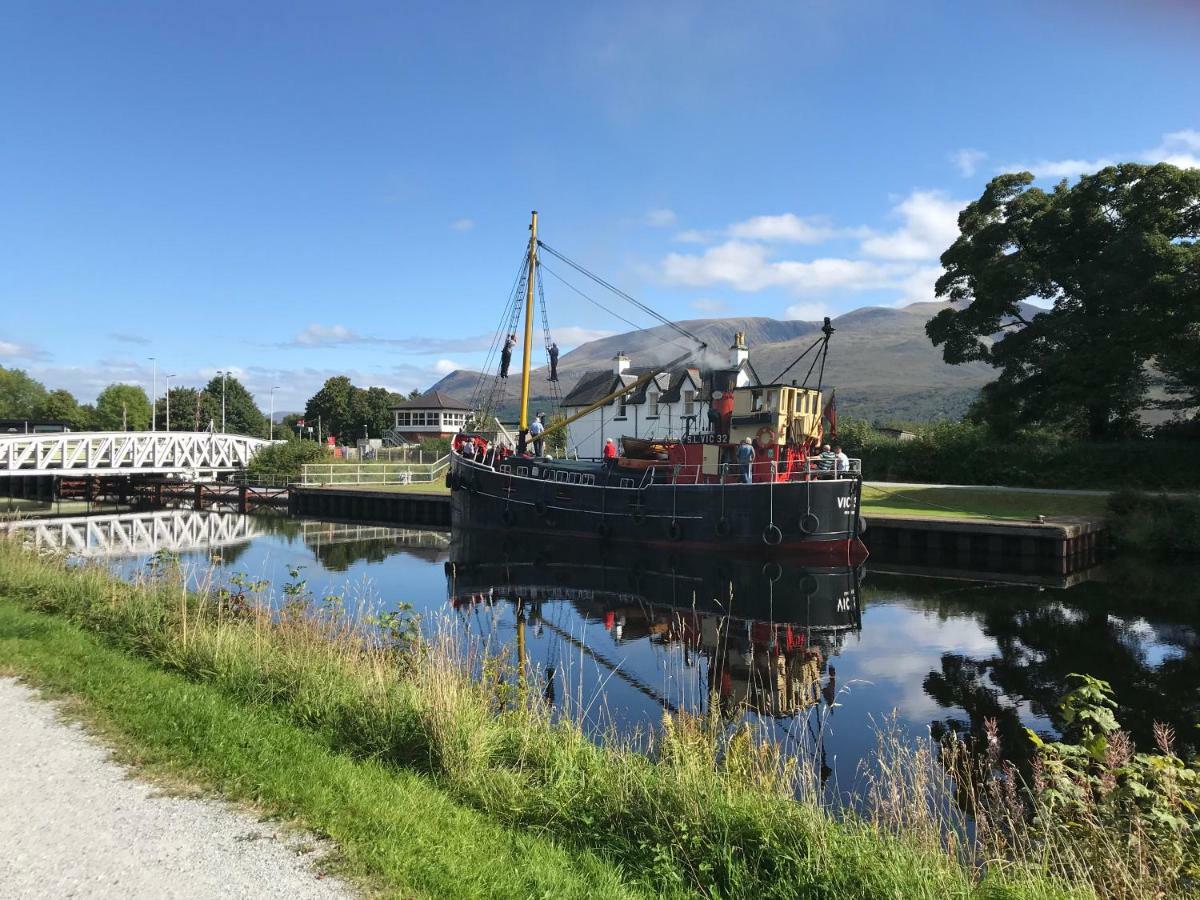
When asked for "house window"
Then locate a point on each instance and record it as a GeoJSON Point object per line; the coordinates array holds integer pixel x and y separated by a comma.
{"type": "Point", "coordinates": [403, 419]}
{"type": "Point", "coordinates": [620, 409]}
{"type": "Point", "coordinates": [652, 403]}
{"type": "Point", "coordinates": [689, 403]}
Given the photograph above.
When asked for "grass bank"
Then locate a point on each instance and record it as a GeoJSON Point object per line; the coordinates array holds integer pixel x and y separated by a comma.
{"type": "Point", "coordinates": [963, 503]}
{"type": "Point", "coordinates": [396, 830]}
{"type": "Point", "coordinates": [708, 810]}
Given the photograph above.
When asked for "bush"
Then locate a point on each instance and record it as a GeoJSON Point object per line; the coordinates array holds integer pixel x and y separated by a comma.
{"type": "Point", "coordinates": [970, 453]}
{"type": "Point", "coordinates": [1155, 525]}
{"type": "Point", "coordinates": [287, 458]}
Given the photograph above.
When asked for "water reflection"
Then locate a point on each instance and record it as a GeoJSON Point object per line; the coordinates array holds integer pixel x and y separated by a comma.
{"type": "Point", "coordinates": [623, 635]}
{"type": "Point", "coordinates": [760, 630]}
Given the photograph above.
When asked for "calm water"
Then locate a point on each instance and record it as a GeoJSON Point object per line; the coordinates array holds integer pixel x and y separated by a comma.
{"type": "Point", "coordinates": [621, 635]}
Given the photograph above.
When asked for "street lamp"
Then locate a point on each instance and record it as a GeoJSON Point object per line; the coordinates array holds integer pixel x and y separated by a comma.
{"type": "Point", "coordinates": [169, 377]}
{"type": "Point", "coordinates": [271, 418]}
{"type": "Point", "coordinates": [154, 395]}
{"type": "Point", "coordinates": [223, 375]}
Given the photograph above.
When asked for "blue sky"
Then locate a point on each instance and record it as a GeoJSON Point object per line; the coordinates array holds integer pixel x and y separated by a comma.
{"type": "Point", "coordinates": [296, 190]}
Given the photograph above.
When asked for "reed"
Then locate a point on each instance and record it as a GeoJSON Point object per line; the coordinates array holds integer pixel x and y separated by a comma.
{"type": "Point", "coordinates": [702, 808]}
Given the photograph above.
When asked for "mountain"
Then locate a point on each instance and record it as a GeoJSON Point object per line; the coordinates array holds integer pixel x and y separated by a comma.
{"type": "Point", "coordinates": [881, 363]}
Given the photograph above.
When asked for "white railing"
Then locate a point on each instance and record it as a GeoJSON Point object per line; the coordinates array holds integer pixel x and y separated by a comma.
{"type": "Point", "coordinates": [136, 534]}
{"type": "Point", "coordinates": [121, 452]}
{"type": "Point", "coordinates": [353, 474]}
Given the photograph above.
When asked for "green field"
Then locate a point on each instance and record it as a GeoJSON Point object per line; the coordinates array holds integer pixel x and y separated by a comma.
{"type": "Point", "coordinates": [949, 502]}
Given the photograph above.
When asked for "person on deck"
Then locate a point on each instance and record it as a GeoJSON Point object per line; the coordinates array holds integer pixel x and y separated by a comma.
{"type": "Point", "coordinates": [745, 458]}
{"type": "Point", "coordinates": [610, 454]}
{"type": "Point", "coordinates": [469, 449]}
{"type": "Point", "coordinates": [841, 460]}
{"type": "Point", "coordinates": [506, 354]}
{"type": "Point", "coordinates": [536, 429]}
{"type": "Point", "coordinates": [826, 460]}
{"type": "Point", "coordinates": [553, 362]}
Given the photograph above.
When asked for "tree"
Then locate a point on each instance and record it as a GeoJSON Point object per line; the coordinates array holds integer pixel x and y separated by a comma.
{"type": "Point", "coordinates": [123, 406]}
{"type": "Point", "coordinates": [242, 415]}
{"type": "Point", "coordinates": [1117, 258]}
{"type": "Point", "coordinates": [61, 406]}
{"type": "Point", "coordinates": [187, 414]}
{"type": "Point", "coordinates": [377, 406]}
{"type": "Point", "coordinates": [21, 397]}
{"type": "Point", "coordinates": [334, 405]}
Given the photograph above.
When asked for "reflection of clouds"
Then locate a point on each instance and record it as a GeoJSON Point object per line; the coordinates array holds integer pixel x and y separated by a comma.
{"type": "Point", "coordinates": [1153, 644]}
{"type": "Point", "coordinates": [901, 646]}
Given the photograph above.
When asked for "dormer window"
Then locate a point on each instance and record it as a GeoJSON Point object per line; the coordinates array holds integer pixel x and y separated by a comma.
{"type": "Point", "coordinates": [652, 403]}
{"type": "Point", "coordinates": [621, 407]}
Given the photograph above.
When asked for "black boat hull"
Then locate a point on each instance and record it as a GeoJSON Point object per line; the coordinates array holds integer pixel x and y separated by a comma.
{"type": "Point", "coordinates": [817, 518]}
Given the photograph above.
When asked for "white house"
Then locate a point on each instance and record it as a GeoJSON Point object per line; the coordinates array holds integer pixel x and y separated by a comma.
{"type": "Point", "coordinates": [433, 414]}
{"type": "Point", "coordinates": [672, 404]}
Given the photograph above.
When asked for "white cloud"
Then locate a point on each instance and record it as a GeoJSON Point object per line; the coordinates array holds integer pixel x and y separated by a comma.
{"type": "Point", "coordinates": [317, 335]}
{"type": "Point", "coordinates": [15, 350]}
{"type": "Point", "coordinates": [807, 312]}
{"type": "Point", "coordinates": [1179, 148]}
{"type": "Point", "coordinates": [748, 267]}
{"type": "Point", "coordinates": [326, 336]}
{"type": "Point", "coordinates": [786, 227]}
{"type": "Point", "coordinates": [661, 218]}
{"type": "Point", "coordinates": [930, 226]}
{"type": "Point", "coordinates": [445, 366]}
{"type": "Point", "coordinates": [967, 160]}
{"type": "Point", "coordinates": [693, 236]}
{"type": "Point", "coordinates": [574, 335]}
{"type": "Point", "coordinates": [707, 304]}
{"type": "Point", "coordinates": [463, 224]}
{"type": "Point", "coordinates": [917, 287]}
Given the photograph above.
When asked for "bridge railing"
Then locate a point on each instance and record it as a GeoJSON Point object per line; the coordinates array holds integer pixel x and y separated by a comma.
{"type": "Point", "coordinates": [354, 474]}
{"type": "Point", "coordinates": [119, 452]}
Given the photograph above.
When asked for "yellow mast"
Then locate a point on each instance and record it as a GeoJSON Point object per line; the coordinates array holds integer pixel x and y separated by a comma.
{"type": "Point", "coordinates": [528, 323]}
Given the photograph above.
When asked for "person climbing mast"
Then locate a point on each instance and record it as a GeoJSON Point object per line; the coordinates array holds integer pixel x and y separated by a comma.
{"type": "Point", "coordinates": [506, 354]}
{"type": "Point", "coordinates": [553, 362]}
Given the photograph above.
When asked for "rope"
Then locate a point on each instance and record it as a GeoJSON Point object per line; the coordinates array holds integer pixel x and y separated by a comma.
{"type": "Point", "coordinates": [620, 293]}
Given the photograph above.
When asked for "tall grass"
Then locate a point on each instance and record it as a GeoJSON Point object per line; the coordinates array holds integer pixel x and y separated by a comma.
{"type": "Point", "coordinates": [706, 808]}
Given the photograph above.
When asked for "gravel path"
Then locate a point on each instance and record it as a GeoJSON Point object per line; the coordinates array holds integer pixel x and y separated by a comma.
{"type": "Point", "coordinates": [74, 824]}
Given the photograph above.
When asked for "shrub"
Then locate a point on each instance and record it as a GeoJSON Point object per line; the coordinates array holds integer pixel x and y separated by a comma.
{"type": "Point", "coordinates": [287, 458]}
{"type": "Point", "coordinates": [1155, 524]}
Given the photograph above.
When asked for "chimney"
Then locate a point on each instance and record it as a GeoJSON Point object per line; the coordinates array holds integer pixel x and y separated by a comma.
{"type": "Point", "coordinates": [738, 352]}
{"type": "Point", "coordinates": [622, 362]}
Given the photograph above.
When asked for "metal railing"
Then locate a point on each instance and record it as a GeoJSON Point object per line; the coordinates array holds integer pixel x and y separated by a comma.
{"type": "Point", "coordinates": [324, 474]}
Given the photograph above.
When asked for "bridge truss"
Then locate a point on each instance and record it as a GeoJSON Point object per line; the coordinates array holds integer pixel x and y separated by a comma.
{"type": "Point", "coordinates": [125, 453]}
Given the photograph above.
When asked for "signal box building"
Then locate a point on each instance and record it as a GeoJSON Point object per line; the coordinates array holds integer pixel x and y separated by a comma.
{"type": "Point", "coordinates": [431, 415]}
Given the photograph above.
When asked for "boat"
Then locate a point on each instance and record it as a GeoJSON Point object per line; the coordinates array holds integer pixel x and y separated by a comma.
{"type": "Point", "coordinates": [693, 491]}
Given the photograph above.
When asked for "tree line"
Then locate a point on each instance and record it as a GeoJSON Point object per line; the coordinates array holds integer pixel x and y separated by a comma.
{"type": "Point", "coordinates": [339, 408]}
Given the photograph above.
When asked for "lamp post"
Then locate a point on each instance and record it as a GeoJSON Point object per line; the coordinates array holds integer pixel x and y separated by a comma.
{"type": "Point", "coordinates": [168, 379]}
{"type": "Point", "coordinates": [271, 418]}
{"type": "Point", "coordinates": [154, 395]}
{"type": "Point", "coordinates": [223, 375]}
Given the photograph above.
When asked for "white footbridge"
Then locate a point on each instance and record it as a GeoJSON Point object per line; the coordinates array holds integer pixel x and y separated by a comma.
{"type": "Point", "coordinates": [123, 535]}
{"type": "Point", "coordinates": [190, 454]}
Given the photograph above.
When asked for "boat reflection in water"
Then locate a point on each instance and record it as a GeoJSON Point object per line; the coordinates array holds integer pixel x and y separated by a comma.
{"type": "Point", "coordinates": [759, 632]}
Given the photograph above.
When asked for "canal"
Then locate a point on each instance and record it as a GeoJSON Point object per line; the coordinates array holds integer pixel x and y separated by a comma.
{"type": "Point", "coordinates": [820, 657]}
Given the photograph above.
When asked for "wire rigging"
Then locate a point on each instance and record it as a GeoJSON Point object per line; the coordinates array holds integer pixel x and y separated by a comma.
{"type": "Point", "coordinates": [620, 293]}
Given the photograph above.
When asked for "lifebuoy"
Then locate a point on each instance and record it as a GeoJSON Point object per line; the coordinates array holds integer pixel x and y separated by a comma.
{"type": "Point", "coordinates": [809, 585]}
{"type": "Point", "coordinates": [506, 516]}
{"type": "Point", "coordinates": [675, 530]}
{"type": "Point", "coordinates": [724, 528]}
{"type": "Point", "coordinates": [770, 432]}
{"type": "Point", "coordinates": [809, 523]}
{"type": "Point", "coordinates": [772, 535]}
{"type": "Point", "coordinates": [772, 571]}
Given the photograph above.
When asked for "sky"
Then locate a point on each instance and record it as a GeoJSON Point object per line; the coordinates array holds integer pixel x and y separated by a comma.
{"type": "Point", "coordinates": [295, 190]}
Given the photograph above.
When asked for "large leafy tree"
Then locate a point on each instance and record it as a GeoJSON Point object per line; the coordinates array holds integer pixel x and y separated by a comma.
{"type": "Point", "coordinates": [21, 397]}
{"type": "Point", "coordinates": [333, 405]}
{"type": "Point", "coordinates": [1114, 257]}
{"type": "Point", "coordinates": [242, 415]}
{"type": "Point", "coordinates": [188, 413]}
{"type": "Point", "coordinates": [377, 406]}
{"type": "Point", "coordinates": [61, 406]}
{"type": "Point", "coordinates": [123, 406]}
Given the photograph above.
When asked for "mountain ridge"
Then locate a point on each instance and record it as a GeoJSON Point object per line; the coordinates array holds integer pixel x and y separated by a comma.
{"type": "Point", "coordinates": [881, 363]}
